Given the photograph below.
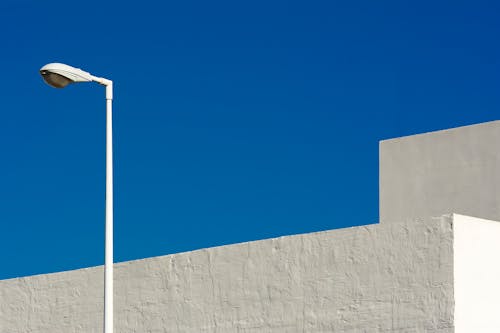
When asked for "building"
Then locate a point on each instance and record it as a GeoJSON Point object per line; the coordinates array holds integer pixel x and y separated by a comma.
{"type": "Point", "coordinates": [428, 266]}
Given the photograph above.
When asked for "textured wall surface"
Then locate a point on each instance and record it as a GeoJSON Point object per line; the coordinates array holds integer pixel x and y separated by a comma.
{"type": "Point", "coordinates": [376, 278]}
{"type": "Point", "coordinates": [440, 172]}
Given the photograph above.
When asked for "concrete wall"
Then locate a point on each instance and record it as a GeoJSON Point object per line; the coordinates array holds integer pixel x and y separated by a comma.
{"type": "Point", "coordinates": [477, 275]}
{"type": "Point", "coordinates": [377, 278]}
{"type": "Point", "coordinates": [430, 174]}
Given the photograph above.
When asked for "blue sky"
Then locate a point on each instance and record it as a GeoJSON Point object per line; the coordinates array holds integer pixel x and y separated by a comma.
{"type": "Point", "coordinates": [234, 121]}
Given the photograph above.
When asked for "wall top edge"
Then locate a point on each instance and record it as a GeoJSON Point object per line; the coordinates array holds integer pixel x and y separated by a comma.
{"type": "Point", "coordinates": [448, 216]}
{"type": "Point", "coordinates": [197, 250]}
{"type": "Point", "coordinates": [469, 218]}
{"type": "Point", "coordinates": [442, 131]}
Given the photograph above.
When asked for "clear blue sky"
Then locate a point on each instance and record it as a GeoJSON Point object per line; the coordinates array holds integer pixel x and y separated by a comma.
{"type": "Point", "coordinates": [234, 121]}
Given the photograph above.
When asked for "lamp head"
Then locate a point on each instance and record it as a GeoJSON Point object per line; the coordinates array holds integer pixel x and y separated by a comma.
{"type": "Point", "coordinates": [60, 75]}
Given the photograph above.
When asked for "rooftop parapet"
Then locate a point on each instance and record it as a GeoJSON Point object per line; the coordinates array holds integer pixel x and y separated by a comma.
{"type": "Point", "coordinates": [455, 170]}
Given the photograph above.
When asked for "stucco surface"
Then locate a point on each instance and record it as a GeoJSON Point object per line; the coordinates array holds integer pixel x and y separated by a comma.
{"type": "Point", "coordinates": [376, 278]}
{"type": "Point", "coordinates": [431, 174]}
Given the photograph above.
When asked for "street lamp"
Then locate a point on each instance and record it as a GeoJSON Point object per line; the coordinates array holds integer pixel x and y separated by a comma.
{"type": "Point", "coordinates": [59, 76]}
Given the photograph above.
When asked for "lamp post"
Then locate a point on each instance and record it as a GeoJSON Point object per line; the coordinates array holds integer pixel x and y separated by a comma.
{"type": "Point", "coordinates": [59, 76]}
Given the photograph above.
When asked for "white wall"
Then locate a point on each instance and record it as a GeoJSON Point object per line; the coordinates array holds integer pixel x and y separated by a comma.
{"type": "Point", "coordinates": [377, 278]}
{"type": "Point", "coordinates": [450, 171]}
{"type": "Point", "coordinates": [477, 275]}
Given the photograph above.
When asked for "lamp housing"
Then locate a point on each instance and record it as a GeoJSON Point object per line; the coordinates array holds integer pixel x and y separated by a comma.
{"type": "Point", "coordinates": [59, 75]}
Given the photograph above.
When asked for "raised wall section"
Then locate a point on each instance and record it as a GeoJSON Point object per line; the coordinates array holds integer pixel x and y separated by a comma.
{"type": "Point", "coordinates": [430, 174]}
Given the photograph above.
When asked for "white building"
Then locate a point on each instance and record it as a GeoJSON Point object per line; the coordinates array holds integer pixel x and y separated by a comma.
{"type": "Point", "coordinates": [427, 267]}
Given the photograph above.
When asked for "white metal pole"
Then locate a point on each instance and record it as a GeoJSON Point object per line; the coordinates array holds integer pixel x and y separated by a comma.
{"type": "Point", "coordinates": [108, 263]}
{"type": "Point", "coordinates": [59, 75]}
